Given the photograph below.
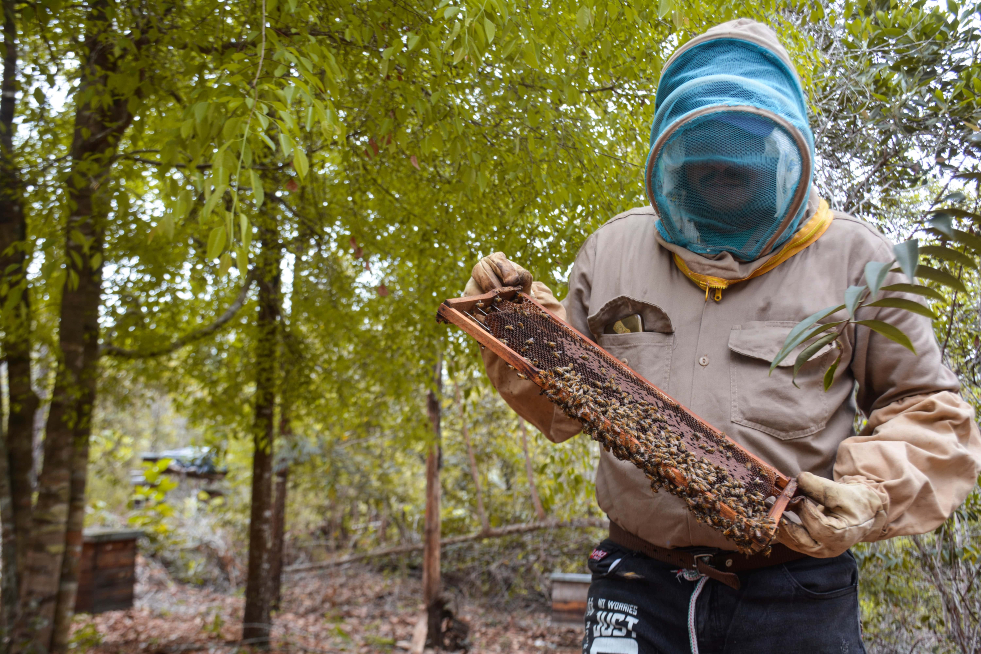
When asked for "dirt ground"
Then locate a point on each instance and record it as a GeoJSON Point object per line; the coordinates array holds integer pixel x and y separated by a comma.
{"type": "Point", "coordinates": [351, 609]}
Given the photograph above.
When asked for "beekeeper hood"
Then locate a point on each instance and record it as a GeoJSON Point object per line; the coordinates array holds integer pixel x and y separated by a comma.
{"type": "Point", "coordinates": [731, 155]}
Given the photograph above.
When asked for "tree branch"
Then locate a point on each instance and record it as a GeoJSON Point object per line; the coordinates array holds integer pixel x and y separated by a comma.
{"type": "Point", "coordinates": [108, 349]}
{"type": "Point", "coordinates": [510, 530]}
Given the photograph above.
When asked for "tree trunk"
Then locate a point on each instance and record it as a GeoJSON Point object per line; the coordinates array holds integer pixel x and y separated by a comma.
{"type": "Point", "coordinates": [481, 512]}
{"type": "Point", "coordinates": [16, 321]}
{"type": "Point", "coordinates": [279, 509]}
{"type": "Point", "coordinates": [99, 125]}
{"type": "Point", "coordinates": [279, 532]}
{"type": "Point", "coordinates": [256, 622]}
{"type": "Point", "coordinates": [8, 551]}
{"type": "Point", "coordinates": [430, 559]}
{"type": "Point", "coordinates": [70, 565]}
{"type": "Point", "coordinates": [535, 500]}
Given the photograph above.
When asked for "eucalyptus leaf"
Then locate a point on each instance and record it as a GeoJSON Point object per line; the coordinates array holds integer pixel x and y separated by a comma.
{"type": "Point", "coordinates": [961, 213]}
{"type": "Point", "coordinates": [943, 223]}
{"type": "Point", "coordinates": [891, 332]}
{"type": "Point", "coordinates": [901, 303]}
{"type": "Point", "coordinates": [941, 277]}
{"type": "Point", "coordinates": [970, 240]}
{"type": "Point", "coordinates": [811, 350]}
{"type": "Point", "coordinates": [949, 255]}
{"type": "Point", "coordinates": [916, 289]}
{"type": "Point", "coordinates": [956, 196]}
{"type": "Point", "coordinates": [907, 256]}
{"type": "Point", "coordinates": [829, 374]}
{"type": "Point", "coordinates": [800, 333]}
{"type": "Point", "coordinates": [875, 274]}
{"type": "Point", "coordinates": [853, 295]}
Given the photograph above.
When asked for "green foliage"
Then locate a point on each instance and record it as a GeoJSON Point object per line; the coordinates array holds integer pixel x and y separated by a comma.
{"type": "Point", "coordinates": [150, 502]}
{"type": "Point", "coordinates": [918, 73]}
{"type": "Point", "coordinates": [85, 638]}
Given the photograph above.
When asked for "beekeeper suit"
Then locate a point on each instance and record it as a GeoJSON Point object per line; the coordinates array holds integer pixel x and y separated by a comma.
{"type": "Point", "coordinates": [734, 250]}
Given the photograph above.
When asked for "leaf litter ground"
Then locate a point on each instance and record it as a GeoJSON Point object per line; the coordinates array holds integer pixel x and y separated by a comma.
{"type": "Point", "coordinates": [350, 609]}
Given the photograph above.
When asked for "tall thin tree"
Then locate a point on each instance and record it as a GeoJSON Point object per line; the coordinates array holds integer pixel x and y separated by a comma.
{"type": "Point", "coordinates": [257, 623]}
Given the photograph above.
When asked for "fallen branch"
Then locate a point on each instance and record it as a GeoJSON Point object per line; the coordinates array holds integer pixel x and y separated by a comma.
{"type": "Point", "coordinates": [510, 530]}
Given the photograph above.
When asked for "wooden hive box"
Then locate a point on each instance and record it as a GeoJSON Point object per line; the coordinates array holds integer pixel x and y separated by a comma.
{"type": "Point", "coordinates": [569, 593]}
{"type": "Point", "coordinates": [107, 573]}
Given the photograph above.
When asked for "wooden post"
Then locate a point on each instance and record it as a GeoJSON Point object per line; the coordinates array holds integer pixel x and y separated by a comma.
{"type": "Point", "coordinates": [481, 512]}
{"type": "Point", "coordinates": [430, 558]}
{"type": "Point", "coordinates": [539, 509]}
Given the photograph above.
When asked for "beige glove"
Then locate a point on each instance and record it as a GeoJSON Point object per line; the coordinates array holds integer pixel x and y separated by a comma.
{"type": "Point", "coordinates": [495, 271]}
{"type": "Point", "coordinates": [833, 516]}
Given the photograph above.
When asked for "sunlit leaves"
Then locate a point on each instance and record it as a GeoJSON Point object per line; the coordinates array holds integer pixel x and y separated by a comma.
{"type": "Point", "coordinates": [216, 241]}
{"type": "Point", "coordinates": [257, 190]}
{"type": "Point", "coordinates": [213, 200]}
{"type": "Point", "coordinates": [300, 163]}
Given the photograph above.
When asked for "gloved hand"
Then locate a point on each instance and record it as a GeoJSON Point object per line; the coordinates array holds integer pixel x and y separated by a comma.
{"type": "Point", "coordinates": [495, 271]}
{"type": "Point", "coordinates": [833, 516]}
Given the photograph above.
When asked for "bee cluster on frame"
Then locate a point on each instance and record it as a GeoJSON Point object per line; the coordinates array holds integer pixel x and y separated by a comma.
{"type": "Point", "coordinates": [637, 431]}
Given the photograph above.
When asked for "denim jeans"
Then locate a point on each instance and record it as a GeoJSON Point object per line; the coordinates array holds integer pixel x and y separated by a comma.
{"type": "Point", "coordinates": [638, 605]}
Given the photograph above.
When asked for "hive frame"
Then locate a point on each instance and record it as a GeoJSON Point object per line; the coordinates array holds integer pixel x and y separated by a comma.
{"type": "Point", "coordinates": [459, 312]}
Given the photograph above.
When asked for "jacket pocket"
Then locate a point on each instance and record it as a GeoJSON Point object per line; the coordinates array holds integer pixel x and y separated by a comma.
{"type": "Point", "coordinates": [770, 403]}
{"type": "Point", "coordinates": [647, 353]}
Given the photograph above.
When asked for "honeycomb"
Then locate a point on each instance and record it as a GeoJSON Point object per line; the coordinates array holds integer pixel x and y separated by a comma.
{"type": "Point", "coordinates": [722, 484]}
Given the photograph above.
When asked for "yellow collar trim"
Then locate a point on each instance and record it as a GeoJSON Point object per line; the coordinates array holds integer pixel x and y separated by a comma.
{"type": "Point", "coordinates": [812, 230]}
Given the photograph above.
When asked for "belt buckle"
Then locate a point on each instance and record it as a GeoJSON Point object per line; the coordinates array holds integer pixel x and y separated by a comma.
{"type": "Point", "coordinates": [707, 557]}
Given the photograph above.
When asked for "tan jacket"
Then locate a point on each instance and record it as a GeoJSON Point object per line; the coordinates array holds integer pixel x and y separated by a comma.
{"type": "Point", "coordinates": [921, 450]}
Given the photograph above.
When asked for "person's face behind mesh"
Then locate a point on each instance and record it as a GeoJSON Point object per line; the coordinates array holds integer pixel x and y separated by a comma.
{"type": "Point", "coordinates": [725, 187]}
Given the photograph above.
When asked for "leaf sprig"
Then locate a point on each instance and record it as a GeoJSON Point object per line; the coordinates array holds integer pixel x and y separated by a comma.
{"type": "Point", "coordinates": [818, 335]}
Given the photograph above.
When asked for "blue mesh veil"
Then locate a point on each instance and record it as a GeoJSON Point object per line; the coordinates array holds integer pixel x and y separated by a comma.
{"type": "Point", "coordinates": [730, 164]}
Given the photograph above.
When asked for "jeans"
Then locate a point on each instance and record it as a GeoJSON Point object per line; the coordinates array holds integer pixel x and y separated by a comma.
{"type": "Point", "coordinates": [638, 605]}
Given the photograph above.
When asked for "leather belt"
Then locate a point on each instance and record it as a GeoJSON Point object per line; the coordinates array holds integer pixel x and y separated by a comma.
{"type": "Point", "coordinates": [716, 564]}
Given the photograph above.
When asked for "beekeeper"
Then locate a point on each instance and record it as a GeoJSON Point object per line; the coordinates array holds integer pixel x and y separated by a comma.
{"type": "Point", "coordinates": [697, 293]}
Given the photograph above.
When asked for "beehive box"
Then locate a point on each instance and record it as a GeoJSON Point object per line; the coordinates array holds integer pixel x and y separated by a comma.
{"type": "Point", "coordinates": [107, 575]}
{"type": "Point", "coordinates": [569, 594]}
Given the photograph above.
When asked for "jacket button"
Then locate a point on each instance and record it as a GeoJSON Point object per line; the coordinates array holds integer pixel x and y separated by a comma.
{"type": "Point", "coordinates": [728, 563]}
{"type": "Point", "coordinates": [703, 360]}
